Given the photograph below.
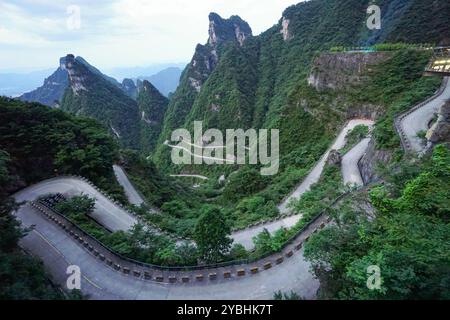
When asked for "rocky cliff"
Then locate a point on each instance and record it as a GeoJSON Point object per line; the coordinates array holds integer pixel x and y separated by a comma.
{"type": "Point", "coordinates": [440, 130]}
{"type": "Point", "coordinates": [92, 95]}
{"type": "Point", "coordinates": [152, 107]}
{"type": "Point", "coordinates": [368, 165]}
{"type": "Point", "coordinates": [338, 71]}
{"type": "Point", "coordinates": [52, 91]}
{"type": "Point", "coordinates": [54, 87]}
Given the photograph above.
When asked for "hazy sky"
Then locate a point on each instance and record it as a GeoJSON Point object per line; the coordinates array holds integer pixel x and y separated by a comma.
{"type": "Point", "coordinates": [117, 33]}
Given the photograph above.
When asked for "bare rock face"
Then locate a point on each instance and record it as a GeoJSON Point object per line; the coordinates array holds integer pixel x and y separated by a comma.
{"type": "Point", "coordinates": [206, 57]}
{"type": "Point", "coordinates": [285, 29]}
{"type": "Point", "coordinates": [337, 71]}
{"type": "Point", "coordinates": [440, 131]}
{"type": "Point", "coordinates": [52, 91]}
{"type": "Point", "coordinates": [334, 158]}
{"type": "Point", "coordinates": [371, 160]}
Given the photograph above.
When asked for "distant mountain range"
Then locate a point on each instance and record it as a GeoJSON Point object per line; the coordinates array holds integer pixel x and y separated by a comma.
{"type": "Point", "coordinates": [165, 77]}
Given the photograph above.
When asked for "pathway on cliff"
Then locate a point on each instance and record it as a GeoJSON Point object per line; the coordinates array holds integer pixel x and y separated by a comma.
{"type": "Point", "coordinates": [418, 118]}
{"type": "Point", "coordinates": [349, 167]}
{"type": "Point", "coordinates": [57, 250]}
{"type": "Point", "coordinates": [107, 213]}
{"type": "Point", "coordinates": [132, 194]}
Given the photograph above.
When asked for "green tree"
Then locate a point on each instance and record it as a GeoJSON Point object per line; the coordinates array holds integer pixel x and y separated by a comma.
{"type": "Point", "coordinates": [211, 235]}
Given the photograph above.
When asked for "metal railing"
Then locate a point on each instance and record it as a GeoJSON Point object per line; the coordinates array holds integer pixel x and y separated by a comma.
{"type": "Point", "coordinates": [198, 267]}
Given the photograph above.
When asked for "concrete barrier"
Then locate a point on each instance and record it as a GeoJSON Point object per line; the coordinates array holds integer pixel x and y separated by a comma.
{"type": "Point", "coordinates": [212, 276]}
{"type": "Point", "coordinates": [199, 277]}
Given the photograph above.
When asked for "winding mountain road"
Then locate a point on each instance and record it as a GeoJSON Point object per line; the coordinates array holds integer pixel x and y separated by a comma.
{"type": "Point", "coordinates": [350, 171]}
{"type": "Point", "coordinates": [132, 194]}
{"type": "Point", "coordinates": [58, 250]}
{"type": "Point", "coordinates": [316, 172]}
{"type": "Point", "coordinates": [108, 214]}
{"type": "Point", "coordinates": [418, 118]}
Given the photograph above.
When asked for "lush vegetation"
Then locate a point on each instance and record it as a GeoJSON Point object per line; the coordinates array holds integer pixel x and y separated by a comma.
{"type": "Point", "coordinates": [43, 143]}
{"type": "Point", "coordinates": [152, 106]}
{"type": "Point", "coordinates": [407, 236]}
{"type": "Point", "coordinates": [102, 100]}
{"type": "Point", "coordinates": [261, 84]}
{"type": "Point", "coordinates": [21, 276]}
{"type": "Point", "coordinates": [211, 235]}
{"type": "Point", "coordinates": [354, 137]}
{"type": "Point", "coordinates": [139, 243]}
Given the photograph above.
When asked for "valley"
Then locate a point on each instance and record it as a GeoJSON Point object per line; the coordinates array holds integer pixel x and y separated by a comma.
{"type": "Point", "coordinates": [320, 152]}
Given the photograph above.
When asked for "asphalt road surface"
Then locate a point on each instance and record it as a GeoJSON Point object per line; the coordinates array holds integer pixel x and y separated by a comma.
{"type": "Point", "coordinates": [57, 250]}
{"type": "Point", "coordinates": [419, 119]}
{"type": "Point", "coordinates": [132, 194]}
{"type": "Point", "coordinates": [110, 215]}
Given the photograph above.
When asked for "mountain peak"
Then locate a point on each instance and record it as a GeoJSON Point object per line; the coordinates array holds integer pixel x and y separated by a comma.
{"type": "Point", "coordinates": [222, 30]}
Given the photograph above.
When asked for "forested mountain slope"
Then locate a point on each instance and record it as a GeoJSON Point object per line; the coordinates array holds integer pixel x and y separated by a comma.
{"type": "Point", "coordinates": [253, 81]}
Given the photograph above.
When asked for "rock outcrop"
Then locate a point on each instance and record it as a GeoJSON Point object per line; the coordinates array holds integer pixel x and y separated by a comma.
{"type": "Point", "coordinates": [54, 87]}
{"type": "Point", "coordinates": [130, 88]}
{"type": "Point", "coordinates": [206, 56]}
{"type": "Point", "coordinates": [440, 131]}
{"type": "Point", "coordinates": [334, 158]}
{"type": "Point", "coordinates": [52, 91]}
{"type": "Point", "coordinates": [338, 71]}
{"type": "Point", "coordinates": [285, 29]}
{"type": "Point", "coordinates": [91, 94]}
{"type": "Point", "coordinates": [371, 160]}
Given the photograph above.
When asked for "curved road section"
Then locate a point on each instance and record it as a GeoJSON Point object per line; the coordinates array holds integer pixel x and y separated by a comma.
{"type": "Point", "coordinates": [133, 196]}
{"type": "Point", "coordinates": [349, 169]}
{"type": "Point", "coordinates": [107, 213]}
{"type": "Point", "coordinates": [419, 117]}
{"type": "Point", "coordinates": [58, 250]}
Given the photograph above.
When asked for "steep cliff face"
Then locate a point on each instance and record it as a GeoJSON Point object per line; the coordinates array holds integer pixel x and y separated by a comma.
{"type": "Point", "coordinates": [222, 33]}
{"type": "Point", "coordinates": [54, 87]}
{"type": "Point", "coordinates": [369, 163]}
{"type": "Point", "coordinates": [338, 71]}
{"type": "Point", "coordinates": [206, 57]}
{"type": "Point", "coordinates": [152, 107]}
{"type": "Point", "coordinates": [440, 130]}
{"type": "Point", "coordinates": [261, 82]}
{"type": "Point", "coordinates": [52, 91]}
{"type": "Point", "coordinates": [90, 94]}
{"type": "Point", "coordinates": [129, 87]}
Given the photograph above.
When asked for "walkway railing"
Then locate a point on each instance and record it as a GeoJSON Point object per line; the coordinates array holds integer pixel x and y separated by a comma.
{"type": "Point", "coordinates": [406, 145]}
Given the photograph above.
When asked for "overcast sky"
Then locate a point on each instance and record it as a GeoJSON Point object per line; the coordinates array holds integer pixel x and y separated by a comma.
{"type": "Point", "coordinates": [117, 33]}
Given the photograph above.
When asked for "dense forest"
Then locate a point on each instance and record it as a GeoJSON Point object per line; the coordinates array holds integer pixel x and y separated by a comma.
{"type": "Point", "coordinates": [400, 222]}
